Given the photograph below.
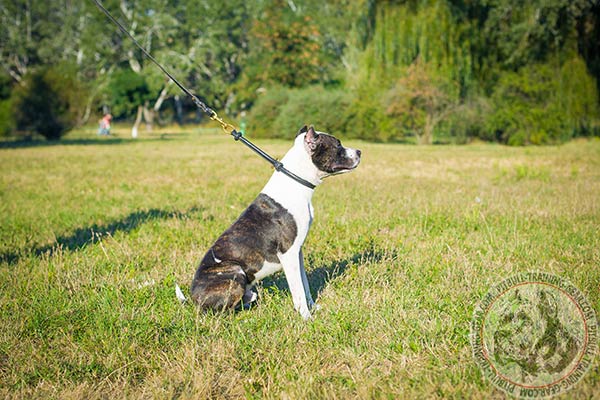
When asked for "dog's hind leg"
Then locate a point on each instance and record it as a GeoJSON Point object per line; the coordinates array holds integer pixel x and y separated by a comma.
{"type": "Point", "coordinates": [219, 287]}
{"type": "Point", "coordinates": [249, 297]}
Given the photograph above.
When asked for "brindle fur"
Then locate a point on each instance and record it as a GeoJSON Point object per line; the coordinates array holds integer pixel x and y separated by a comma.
{"type": "Point", "coordinates": [329, 154]}
{"type": "Point", "coordinates": [231, 263]}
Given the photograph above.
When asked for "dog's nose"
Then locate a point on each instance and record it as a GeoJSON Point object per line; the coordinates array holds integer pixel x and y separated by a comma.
{"type": "Point", "coordinates": [358, 152]}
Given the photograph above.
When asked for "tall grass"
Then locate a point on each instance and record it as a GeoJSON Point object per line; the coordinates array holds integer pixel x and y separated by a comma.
{"type": "Point", "coordinates": [94, 234]}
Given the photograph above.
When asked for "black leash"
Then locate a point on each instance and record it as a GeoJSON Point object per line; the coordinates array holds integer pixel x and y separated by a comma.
{"type": "Point", "coordinates": [212, 114]}
{"type": "Point", "coordinates": [278, 165]}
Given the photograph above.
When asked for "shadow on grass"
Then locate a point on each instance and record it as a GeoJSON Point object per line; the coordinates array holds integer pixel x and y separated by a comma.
{"type": "Point", "coordinates": [99, 141]}
{"type": "Point", "coordinates": [319, 277]}
{"type": "Point", "coordinates": [89, 234]}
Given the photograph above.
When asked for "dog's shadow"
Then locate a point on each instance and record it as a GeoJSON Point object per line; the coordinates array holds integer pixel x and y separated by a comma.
{"type": "Point", "coordinates": [319, 277]}
{"type": "Point", "coordinates": [81, 237]}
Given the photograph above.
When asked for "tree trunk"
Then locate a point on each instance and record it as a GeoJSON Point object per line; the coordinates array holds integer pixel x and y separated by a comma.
{"type": "Point", "coordinates": [133, 63]}
{"type": "Point", "coordinates": [15, 76]}
{"type": "Point", "coordinates": [427, 135]}
{"type": "Point", "coordinates": [148, 117]}
{"type": "Point", "coordinates": [138, 120]}
{"type": "Point", "coordinates": [178, 110]}
{"type": "Point", "coordinates": [86, 113]}
{"type": "Point", "coordinates": [162, 97]}
{"type": "Point", "coordinates": [151, 113]}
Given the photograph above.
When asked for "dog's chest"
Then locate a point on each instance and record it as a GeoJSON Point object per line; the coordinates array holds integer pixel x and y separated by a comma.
{"type": "Point", "coordinates": [301, 210]}
{"type": "Point", "coordinates": [302, 214]}
{"type": "Point", "coordinates": [293, 197]}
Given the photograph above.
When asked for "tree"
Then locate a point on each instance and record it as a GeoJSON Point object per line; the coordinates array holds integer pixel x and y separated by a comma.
{"type": "Point", "coordinates": [7, 120]}
{"type": "Point", "coordinates": [201, 43]}
{"type": "Point", "coordinates": [285, 49]}
{"type": "Point", "coordinates": [49, 102]}
{"type": "Point", "coordinates": [215, 37]}
{"type": "Point", "coordinates": [420, 100]}
{"type": "Point", "coordinates": [36, 33]}
{"type": "Point", "coordinates": [228, 53]}
{"type": "Point", "coordinates": [577, 96]}
{"type": "Point", "coordinates": [129, 93]}
{"type": "Point", "coordinates": [153, 28]}
{"type": "Point", "coordinates": [541, 103]}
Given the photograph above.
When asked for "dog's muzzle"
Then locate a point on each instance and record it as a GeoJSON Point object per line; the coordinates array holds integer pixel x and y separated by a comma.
{"type": "Point", "coordinates": [351, 162]}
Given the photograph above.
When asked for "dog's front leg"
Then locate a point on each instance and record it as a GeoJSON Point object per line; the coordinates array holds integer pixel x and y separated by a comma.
{"type": "Point", "coordinates": [309, 299]}
{"type": "Point", "coordinates": [292, 261]}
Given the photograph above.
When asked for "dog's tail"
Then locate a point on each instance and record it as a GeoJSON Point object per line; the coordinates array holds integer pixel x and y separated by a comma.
{"type": "Point", "coordinates": [179, 294]}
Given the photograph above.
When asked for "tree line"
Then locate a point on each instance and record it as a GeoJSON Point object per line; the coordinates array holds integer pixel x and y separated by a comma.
{"type": "Point", "coordinates": [417, 70]}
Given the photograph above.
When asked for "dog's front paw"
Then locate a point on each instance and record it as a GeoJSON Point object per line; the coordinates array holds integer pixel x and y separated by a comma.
{"type": "Point", "coordinates": [306, 315]}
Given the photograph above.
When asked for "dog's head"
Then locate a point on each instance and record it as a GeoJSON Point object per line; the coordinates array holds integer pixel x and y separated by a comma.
{"type": "Point", "coordinates": [327, 153]}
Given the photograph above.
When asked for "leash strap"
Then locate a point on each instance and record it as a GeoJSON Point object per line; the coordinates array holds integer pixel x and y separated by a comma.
{"type": "Point", "coordinates": [276, 164]}
{"type": "Point", "coordinates": [212, 114]}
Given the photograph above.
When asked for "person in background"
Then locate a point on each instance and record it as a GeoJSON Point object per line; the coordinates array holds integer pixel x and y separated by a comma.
{"type": "Point", "coordinates": [104, 129]}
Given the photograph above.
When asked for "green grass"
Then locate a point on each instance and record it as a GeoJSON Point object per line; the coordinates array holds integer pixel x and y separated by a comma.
{"type": "Point", "coordinates": [94, 234]}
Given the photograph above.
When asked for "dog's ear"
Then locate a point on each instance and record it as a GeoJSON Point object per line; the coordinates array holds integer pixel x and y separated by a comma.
{"type": "Point", "coordinates": [302, 130]}
{"type": "Point", "coordinates": [311, 138]}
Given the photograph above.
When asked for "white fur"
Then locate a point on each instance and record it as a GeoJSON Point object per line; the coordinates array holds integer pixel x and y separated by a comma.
{"type": "Point", "coordinates": [351, 153]}
{"type": "Point", "coordinates": [218, 261]}
{"type": "Point", "coordinates": [294, 273]}
{"type": "Point", "coordinates": [268, 268]}
{"type": "Point", "coordinates": [297, 199]}
{"type": "Point", "coordinates": [250, 296]}
{"type": "Point", "coordinates": [179, 294]}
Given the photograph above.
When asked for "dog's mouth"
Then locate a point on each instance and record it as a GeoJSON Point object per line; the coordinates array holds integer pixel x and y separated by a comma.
{"type": "Point", "coordinates": [340, 169]}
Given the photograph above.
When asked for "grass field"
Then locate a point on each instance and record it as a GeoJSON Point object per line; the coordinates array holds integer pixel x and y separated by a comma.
{"type": "Point", "coordinates": [94, 234]}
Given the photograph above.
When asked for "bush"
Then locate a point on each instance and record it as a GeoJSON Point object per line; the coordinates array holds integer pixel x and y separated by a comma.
{"type": "Point", "coordinates": [281, 112]}
{"type": "Point", "coordinates": [468, 121]}
{"type": "Point", "coordinates": [266, 109]}
{"type": "Point", "coordinates": [367, 118]}
{"type": "Point", "coordinates": [49, 102]}
{"type": "Point", "coordinates": [532, 106]}
{"type": "Point", "coordinates": [421, 99]}
{"type": "Point", "coordinates": [578, 97]}
{"type": "Point", "coordinates": [127, 91]}
{"type": "Point", "coordinates": [7, 121]}
{"type": "Point", "coordinates": [325, 109]}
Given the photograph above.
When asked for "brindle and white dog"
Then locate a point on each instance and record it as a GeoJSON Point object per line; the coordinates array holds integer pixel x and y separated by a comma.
{"type": "Point", "coordinates": [269, 234]}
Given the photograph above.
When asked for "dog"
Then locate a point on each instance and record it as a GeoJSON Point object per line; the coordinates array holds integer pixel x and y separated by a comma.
{"type": "Point", "coordinates": [268, 236]}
